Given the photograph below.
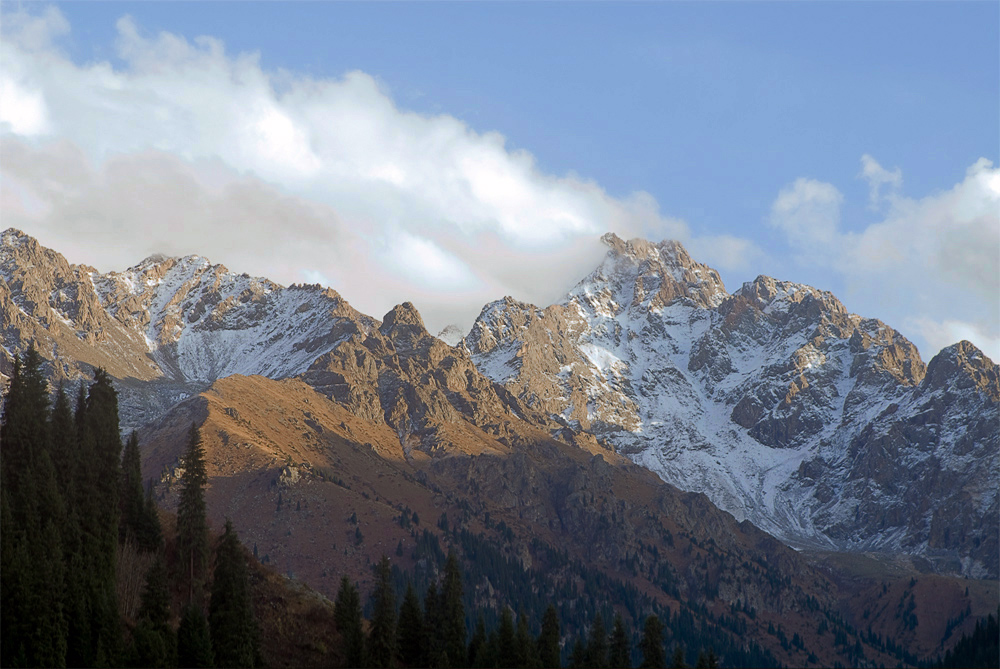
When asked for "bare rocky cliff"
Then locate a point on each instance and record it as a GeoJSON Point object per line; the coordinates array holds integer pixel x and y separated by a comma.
{"type": "Point", "coordinates": [817, 425]}
{"type": "Point", "coordinates": [165, 328]}
{"type": "Point", "coordinates": [823, 427]}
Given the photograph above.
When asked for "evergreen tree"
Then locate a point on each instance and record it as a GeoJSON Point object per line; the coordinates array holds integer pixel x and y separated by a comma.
{"type": "Point", "coordinates": [524, 643]}
{"type": "Point", "coordinates": [153, 641]}
{"type": "Point", "coordinates": [548, 639]}
{"type": "Point", "coordinates": [192, 526]}
{"type": "Point", "coordinates": [150, 531]}
{"type": "Point", "coordinates": [65, 456]}
{"type": "Point", "coordinates": [621, 655]}
{"type": "Point", "coordinates": [597, 644]}
{"type": "Point", "coordinates": [678, 661]}
{"type": "Point", "coordinates": [33, 570]}
{"type": "Point", "coordinates": [133, 503]}
{"type": "Point", "coordinates": [49, 641]}
{"type": "Point", "coordinates": [194, 639]}
{"type": "Point", "coordinates": [102, 430]}
{"type": "Point", "coordinates": [347, 615]}
{"type": "Point", "coordinates": [382, 640]}
{"type": "Point", "coordinates": [77, 583]}
{"type": "Point", "coordinates": [13, 583]}
{"type": "Point", "coordinates": [477, 646]}
{"type": "Point", "coordinates": [25, 430]}
{"type": "Point", "coordinates": [578, 657]}
{"type": "Point", "coordinates": [63, 444]}
{"type": "Point", "coordinates": [702, 662]}
{"type": "Point", "coordinates": [100, 444]}
{"type": "Point", "coordinates": [453, 611]}
{"type": "Point", "coordinates": [82, 582]}
{"type": "Point", "coordinates": [230, 614]}
{"type": "Point", "coordinates": [652, 644]}
{"type": "Point", "coordinates": [433, 639]}
{"type": "Point", "coordinates": [507, 639]}
{"type": "Point", "coordinates": [410, 628]}
{"type": "Point", "coordinates": [491, 653]}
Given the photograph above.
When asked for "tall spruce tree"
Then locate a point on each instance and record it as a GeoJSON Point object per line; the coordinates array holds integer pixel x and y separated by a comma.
{"type": "Point", "coordinates": [347, 616]}
{"type": "Point", "coordinates": [101, 444]}
{"type": "Point", "coordinates": [678, 660]}
{"type": "Point", "coordinates": [410, 629]}
{"type": "Point", "coordinates": [652, 644]}
{"type": "Point", "coordinates": [524, 643]}
{"type": "Point", "coordinates": [621, 653]}
{"type": "Point", "coordinates": [433, 639]}
{"type": "Point", "coordinates": [153, 640]}
{"type": "Point", "coordinates": [194, 639]}
{"type": "Point", "coordinates": [382, 639]}
{"type": "Point", "coordinates": [477, 646]}
{"type": "Point", "coordinates": [548, 639]}
{"type": "Point", "coordinates": [230, 612]}
{"type": "Point", "coordinates": [192, 526]}
{"type": "Point", "coordinates": [150, 531]}
{"type": "Point", "coordinates": [33, 572]}
{"type": "Point", "coordinates": [578, 656]}
{"type": "Point", "coordinates": [507, 639]}
{"type": "Point", "coordinates": [597, 644]}
{"type": "Point", "coordinates": [25, 433]}
{"type": "Point", "coordinates": [62, 434]}
{"type": "Point", "coordinates": [133, 503]}
{"type": "Point", "coordinates": [453, 611]}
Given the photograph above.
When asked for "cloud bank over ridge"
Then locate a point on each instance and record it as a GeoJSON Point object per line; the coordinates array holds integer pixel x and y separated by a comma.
{"type": "Point", "coordinates": [184, 148]}
{"type": "Point", "coordinates": [926, 256]}
{"type": "Point", "coordinates": [178, 147]}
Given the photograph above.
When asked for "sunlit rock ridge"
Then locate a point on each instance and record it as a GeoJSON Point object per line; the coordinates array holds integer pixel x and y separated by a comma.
{"type": "Point", "coordinates": [820, 426]}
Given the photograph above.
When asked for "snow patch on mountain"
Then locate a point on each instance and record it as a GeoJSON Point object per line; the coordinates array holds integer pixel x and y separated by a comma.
{"type": "Point", "coordinates": [765, 400]}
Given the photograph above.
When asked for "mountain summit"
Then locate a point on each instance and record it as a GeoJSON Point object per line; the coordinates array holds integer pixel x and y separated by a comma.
{"type": "Point", "coordinates": [766, 400]}
{"type": "Point", "coordinates": [819, 426]}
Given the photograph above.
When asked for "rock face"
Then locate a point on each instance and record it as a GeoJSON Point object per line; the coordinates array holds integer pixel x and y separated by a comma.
{"type": "Point", "coordinates": [819, 426]}
{"type": "Point", "coordinates": [301, 472]}
{"type": "Point", "coordinates": [822, 427]}
{"type": "Point", "coordinates": [167, 327]}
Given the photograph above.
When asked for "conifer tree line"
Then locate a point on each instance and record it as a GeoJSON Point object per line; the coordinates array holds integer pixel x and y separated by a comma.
{"type": "Point", "coordinates": [434, 634]}
{"type": "Point", "coordinates": [76, 517]}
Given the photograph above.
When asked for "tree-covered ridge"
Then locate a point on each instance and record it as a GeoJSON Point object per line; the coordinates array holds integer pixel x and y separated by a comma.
{"type": "Point", "coordinates": [436, 635]}
{"type": "Point", "coordinates": [980, 649]}
{"type": "Point", "coordinates": [61, 479]}
{"type": "Point", "coordinates": [84, 579]}
{"type": "Point", "coordinates": [461, 589]}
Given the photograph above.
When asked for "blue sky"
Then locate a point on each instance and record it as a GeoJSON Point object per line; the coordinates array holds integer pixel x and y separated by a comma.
{"type": "Point", "coordinates": [744, 128]}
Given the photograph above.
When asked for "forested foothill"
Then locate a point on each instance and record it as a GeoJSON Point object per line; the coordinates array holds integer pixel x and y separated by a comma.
{"type": "Point", "coordinates": [90, 574]}
{"type": "Point", "coordinates": [95, 574]}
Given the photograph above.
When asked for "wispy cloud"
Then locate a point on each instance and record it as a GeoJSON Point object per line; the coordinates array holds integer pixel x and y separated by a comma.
{"type": "Point", "coordinates": [187, 148]}
{"type": "Point", "coordinates": [931, 265]}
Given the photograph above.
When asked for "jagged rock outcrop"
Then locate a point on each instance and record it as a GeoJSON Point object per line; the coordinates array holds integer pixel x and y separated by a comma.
{"type": "Point", "coordinates": [765, 400]}
{"type": "Point", "coordinates": [167, 327]}
{"type": "Point", "coordinates": [431, 394]}
{"type": "Point", "coordinates": [819, 426]}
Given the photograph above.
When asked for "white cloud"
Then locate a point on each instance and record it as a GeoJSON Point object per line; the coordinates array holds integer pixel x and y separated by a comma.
{"type": "Point", "coordinates": [188, 149]}
{"type": "Point", "coordinates": [877, 176]}
{"type": "Point", "coordinates": [941, 334]}
{"type": "Point", "coordinates": [808, 212]}
{"type": "Point", "coordinates": [728, 253]}
{"type": "Point", "coordinates": [932, 264]}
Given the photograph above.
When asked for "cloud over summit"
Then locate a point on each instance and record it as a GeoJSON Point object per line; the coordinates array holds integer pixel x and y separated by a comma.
{"type": "Point", "coordinates": [192, 148]}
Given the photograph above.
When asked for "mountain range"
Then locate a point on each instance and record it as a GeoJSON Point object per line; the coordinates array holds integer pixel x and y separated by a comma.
{"type": "Point", "coordinates": [650, 426]}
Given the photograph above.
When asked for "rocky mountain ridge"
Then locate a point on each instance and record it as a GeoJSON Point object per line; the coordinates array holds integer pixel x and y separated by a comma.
{"type": "Point", "coordinates": [774, 401]}
{"type": "Point", "coordinates": [166, 327]}
{"type": "Point", "coordinates": [822, 427]}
